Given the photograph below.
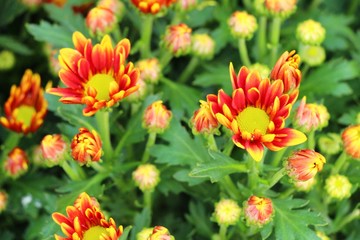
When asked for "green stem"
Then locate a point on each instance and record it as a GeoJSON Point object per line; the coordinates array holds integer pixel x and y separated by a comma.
{"type": "Point", "coordinates": [261, 37]}
{"type": "Point", "coordinates": [69, 170]}
{"type": "Point", "coordinates": [244, 56]}
{"type": "Point", "coordinates": [96, 166]}
{"type": "Point", "coordinates": [102, 120]}
{"type": "Point", "coordinates": [276, 177]}
{"type": "Point", "coordinates": [189, 70]}
{"type": "Point", "coordinates": [353, 6]}
{"type": "Point", "coordinates": [311, 140]}
{"type": "Point", "coordinates": [146, 30]}
{"type": "Point", "coordinates": [278, 156]}
{"type": "Point", "coordinates": [230, 187]}
{"type": "Point", "coordinates": [305, 70]}
{"type": "Point", "coordinates": [274, 38]}
{"type": "Point", "coordinates": [339, 163]}
{"type": "Point", "coordinates": [211, 142]}
{"type": "Point", "coordinates": [355, 214]}
{"type": "Point", "coordinates": [253, 173]}
{"type": "Point", "coordinates": [228, 147]}
{"type": "Point", "coordinates": [315, 4]}
{"type": "Point", "coordinates": [150, 142]}
{"type": "Point", "coordinates": [222, 231]}
{"type": "Point", "coordinates": [165, 58]}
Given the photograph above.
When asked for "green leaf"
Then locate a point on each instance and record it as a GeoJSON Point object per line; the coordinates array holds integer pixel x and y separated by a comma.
{"type": "Point", "coordinates": [10, 43]}
{"type": "Point", "coordinates": [125, 233]}
{"type": "Point", "coordinates": [182, 150]}
{"type": "Point", "coordinates": [328, 79]}
{"type": "Point", "coordinates": [218, 167]}
{"type": "Point", "coordinates": [184, 176]}
{"type": "Point", "coordinates": [9, 10]}
{"type": "Point", "coordinates": [293, 223]}
{"type": "Point", "coordinates": [58, 36]}
{"type": "Point", "coordinates": [142, 220]}
{"type": "Point", "coordinates": [199, 219]}
{"type": "Point", "coordinates": [214, 75]}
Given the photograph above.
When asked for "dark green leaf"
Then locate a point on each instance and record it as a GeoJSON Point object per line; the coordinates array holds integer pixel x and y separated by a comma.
{"type": "Point", "coordinates": [200, 220]}
{"type": "Point", "coordinates": [10, 43]}
{"type": "Point", "coordinates": [184, 176]}
{"type": "Point", "coordinates": [142, 220]}
{"type": "Point", "coordinates": [125, 233]}
{"type": "Point", "coordinates": [216, 75]}
{"type": "Point", "coordinates": [9, 10]}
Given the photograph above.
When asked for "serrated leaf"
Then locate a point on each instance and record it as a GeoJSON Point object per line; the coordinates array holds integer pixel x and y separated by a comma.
{"type": "Point", "coordinates": [141, 221]}
{"type": "Point", "coordinates": [218, 167]}
{"type": "Point", "coordinates": [182, 150]}
{"type": "Point", "coordinates": [9, 10]}
{"type": "Point", "coordinates": [10, 43]}
{"type": "Point", "coordinates": [183, 176]}
{"type": "Point", "coordinates": [293, 223]}
{"type": "Point", "coordinates": [199, 219]}
{"type": "Point", "coordinates": [216, 75]}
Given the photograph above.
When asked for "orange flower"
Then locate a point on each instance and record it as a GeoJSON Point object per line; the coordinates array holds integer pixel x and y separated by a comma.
{"type": "Point", "coordinates": [96, 76]}
{"type": "Point", "coordinates": [156, 117]}
{"type": "Point", "coordinates": [256, 113]}
{"type": "Point", "coordinates": [203, 121]}
{"type": "Point", "coordinates": [258, 210]}
{"type": "Point", "coordinates": [53, 148]}
{"type": "Point", "coordinates": [281, 7]}
{"type": "Point", "coordinates": [86, 146]}
{"type": "Point", "coordinates": [86, 221]}
{"type": "Point", "coordinates": [177, 39]}
{"type": "Point", "coordinates": [304, 164]}
{"type": "Point", "coordinates": [26, 107]}
{"type": "Point", "coordinates": [287, 69]}
{"type": "Point", "coordinates": [151, 6]}
{"type": "Point", "coordinates": [16, 163]}
{"type": "Point", "coordinates": [100, 20]}
{"type": "Point", "coordinates": [351, 141]}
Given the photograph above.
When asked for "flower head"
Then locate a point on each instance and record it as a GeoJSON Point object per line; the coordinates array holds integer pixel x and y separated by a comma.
{"type": "Point", "coordinates": [281, 8]}
{"type": "Point", "coordinates": [310, 32]}
{"type": "Point", "coordinates": [338, 187]}
{"type": "Point", "coordinates": [86, 221]}
{"type": "Point", "coordinates": [202, 46]}
{"type": "Point", "coordinates": [242, 24]}
{"type": "Point", "coordinates": [160, 233]}
{"type": "Point", "coordinates": [7, 60]}
{"type": "Point", "coordinates": [256, 113]}
{"type": "Point", "coordinates": [86, 146]}
{"type": "Point", "coordinates": [351, 141]}
{"type": "Point", "coordinates": [100, 21]}
{"type": "Point", "coordinates": [203, 121]}
{"type": "Point", "coordinates": [116, 6]}
{"type": "Point", "coordinates": [311, 116]}
{"type": "Point", "coordinates": [26, 107]}
{"type": "Point", "coordinates": [156, 117]}
{"type": "Point", "coordinates": [97, 76]}
{"type": "Point", "coordinates": [53, 148]}
{"type": "Point", "coordinates": [152, 6]}
{"type": "Point", "coordinates": [3, 200]}
{"type": "Point", "coordinates": [330, 143]}
{"type": "Point", "coordinates": [227, 212]}
{"type": "Point", "coordinates": [16, 163]}
{"type": "Point", "coordinates": [304, 164]}
{"type": "Point", "coordinates": [258, 210]}
{"type": "Point", "coordinates": [144, 234]}
{"type": "Point", "coordinates": [146, 177]}
{"type": "Point", "coordinates": [150, 70]}
{"type": "Point", "coordinates": [312, 55]}
{"type": "Point", "coordinates": [177, 39]}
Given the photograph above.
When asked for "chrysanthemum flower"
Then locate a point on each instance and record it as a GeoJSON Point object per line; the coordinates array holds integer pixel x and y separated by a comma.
{"type": "Point", "coordinates": [256, 113]}
{"type": "Point", "coordinates": [242, 24]}
{"type": "Point", "coordinates": [203, 121]}
{"type": "Point", "coordinates": [96, 76]}
{"type": "Point", "coordinates": [227, 212]}
{"type": "Point", "coordinates": [281, 8]}
{"type": "Point", "coordinates": [351, 141]}
{"type": "Point", "coordinates": [100, 21]}
{"type": "Point", "coordinates": [258, 210]}
{"type": "Point", "coordinates": [146, 177]}
{"type": "Point", "coordinates": [16, 163]}
{"type": "Point", "coordinates": [26, 107]}
{"type": "Point", "coordinates": [53, 149]}
{"type": "Point", "coordinates": [160, 233]}
{"type": "Point", "coordinates": [304, 164]}
{"type": "Point", "coordinates": [338, 187]}
{"type": "Point", "coordinates": [86, 221]}
{"type": "Point", "coordinates": [150, 70]}
{"type": "Point", "coordinates": [177, 39]}
{"type": "Point", "coordinates": [202, 46]}
{"type": "Point", "coordinates": [152, 6]}
{"type": "Point", "coordinates": [311, 116]}
{"type": "Point", "coordinates": [3, 200]}
{"type": "Point", "coordinates": [86, 146]}
{"type": "Point", "coordinates": [310, 32]}
{"type": "Point", "coordinates": [156, 117]}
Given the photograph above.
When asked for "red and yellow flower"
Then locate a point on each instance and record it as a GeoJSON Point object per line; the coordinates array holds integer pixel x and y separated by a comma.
{"type": "Point", "coordinates": [177, 39]}
{"type": "Point", "coordinates": [100, 21]}
{"type": "Point", "coordinates": [53, 149]}
{"type": "Point", "coordinates": [86, 221]}
{"type": "Point", "coordinates": [256, 113]}
{"type": "Point", "coordinates": [160, 233]}
{"type": "Point", "coordinates": [258, 210]}
{"type": "Point", "coordinates": [351, 141]}
{"type": "Point", "coordinates": [152, 6]}
{"type": "Point", "coordinates": [97, 76]}
{"type": "Point", "coordinates": [156, 117]}
{"type": "Point", "coordinates": [304, 164]}
{"type": "Point", "coordinates": [203, 121]}
{"type": "Point", "coordinates": [16, 163]}
{"type": "Point", "coordinates": [86, 146]}
{"type": "Point", "coordinates": [26, 107]}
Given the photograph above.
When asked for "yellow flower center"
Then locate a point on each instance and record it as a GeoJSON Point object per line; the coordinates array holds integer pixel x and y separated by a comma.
{"type": "Point", "coordinates": [252, 118]}
{"type": "Point", "coordinates": [95, 232]}
{"type": "Point", "coordinates": [24, 114]}
{"type": "Point", "coordinates": [101, 82]}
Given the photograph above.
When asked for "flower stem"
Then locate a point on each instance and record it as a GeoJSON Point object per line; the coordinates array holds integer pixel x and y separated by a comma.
{"type": "Point", "coordinates": [253, 173]}
{"type": "Point", "coordinates": [355, 214]}
{"type": "Point", "coordinates": [188, 71]}
{"type": "Point", "coordinates": [278, 156]}
{"type": "Point", "coordinates": [244, 56]}
{"type": "Point", "coordinates": [97, 167]}
{"type": "Point", "coordinates": [230, 187]}
{"type": "Point", "coordinates": [150, 142]}
{"type": "Point", "coordinates": [261, 37]}
{"type": "Point", "coordinates": [228, 147]}
{"type": "Point", "coordinates": [274, 38]}
{"type": "Point", "coordinates": [70, 171]}
{"type": "Point", "coordinates": [339, 163]}
{"type": "Point", "coordinates": [222, 231]}
{"type": "Point", "coordinates": [311, 140]}
{"type": "Point", "coordinates": [165, 58]}
{"type": "Point", "coordinates": [102, 120]}
{"type": "Point", "coordinates": [211, 142]}
{"type": "Point", "coordinates": [146, 30]}
{"type": "Point", "coordinates": [276, 177]}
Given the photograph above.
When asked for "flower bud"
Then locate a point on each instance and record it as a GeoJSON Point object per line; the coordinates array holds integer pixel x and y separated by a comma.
{"type": "Point", "coordinates": [140, 94]}
{"type": "Point", "coordinates": [338, 187]}
{"type": "Point", "coordinates": [351, 141]}
{"type": "Point", "coordinates": [203, 121]}
{"type": "Point", "coordinates": [116, 6]}
{"type": "Point", "coordinates": [330, 143]}
{"type": "Point", "coordinates": [144, 234]}
{"type": "Point", "coordinates": [156, 117]}
{"type": "Point", "coordinates": [161, 233]}
{"type": "Point", "coordinates": [242, 24]}
{"type": "Point", "coordinates": [303, 165]}
{"type": "Point", "coordinates": [16, 163]}
{"type": "Point", "coordinates": [53, 148]}
{"type": "Point", "coordinates": [312, 55]}
{"type": "Point", "coordinates": [305, 186]}
{"type": "Point", "coordinates": [86, 146]}
{"type": "Point", "coordinates": [280, 8]}
{"type": "Point", "coordinates": [262, 69]}
{"type": "Point", "coordinates": [310, 32]}
{"type": "Point", "coordinates": [227, 212]}
{"type": "Point", "coordinates": [146, 177]}
{"type": "Point", "coordinates": [100, 21]}
{"type": "Point", "coordinates": [7, 60]}
{"type": "Point", "coordinates": [203, 46]}
{"type": "Point", "coordinates": [177, 39]}
{"type": "Point", "coordinates": [258, 210]}
{"type": "Point", "coordinates": [152, 7]}
{"type": "Point", "coordinates": [3, 200]}
{"type": "Point", "coordinates": [187, 5]}
{"type": "Point", "coordinates": [150, 70]}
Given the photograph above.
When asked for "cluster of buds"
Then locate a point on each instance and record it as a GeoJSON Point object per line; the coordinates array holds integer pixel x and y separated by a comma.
{"type": "Point", "coordinates": [156, 117]}
{"type": "Point", "coordinates": [16, 163]}
{"type": "Point", "coordinates": [338, 187]}
{"type": "Point", "coordinates": [242, 24]}
{"type": "Point", "coordinates": [146, 177]}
